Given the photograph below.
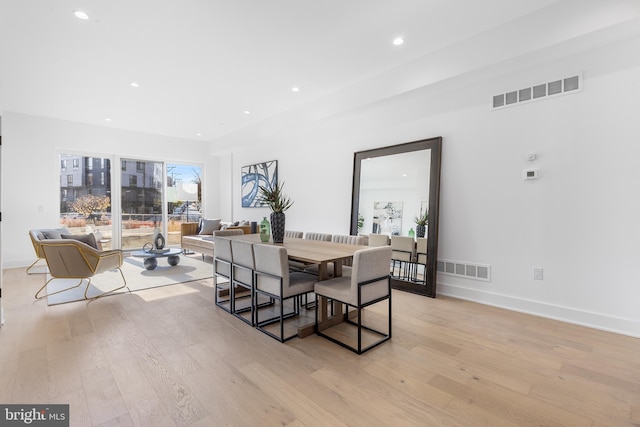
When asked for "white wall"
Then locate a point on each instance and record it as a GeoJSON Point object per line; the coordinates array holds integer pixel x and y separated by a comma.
{"type": "Point", "coordinates": [30, 184]}
{"type": "Point", "coordinates": [579, 221]}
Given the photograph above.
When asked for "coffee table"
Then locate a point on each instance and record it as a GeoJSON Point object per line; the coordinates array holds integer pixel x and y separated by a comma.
{"type": "Point", "coordinates": [151, 259]}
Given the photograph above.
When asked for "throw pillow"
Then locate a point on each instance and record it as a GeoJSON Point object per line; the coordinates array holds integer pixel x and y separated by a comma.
{"type": "Point", "coordinates": [210, 225]}
{"type": "Point", "coordinates": [54, 233]}
{"type": "Point", "coordinates": [89, 239]}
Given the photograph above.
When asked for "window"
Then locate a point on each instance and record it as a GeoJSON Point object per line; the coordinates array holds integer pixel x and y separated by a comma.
{"type": "Point", "coordinates": [123, 165]}
{"type": "Point", "coordinates": [141, 203]}
{"type": "Point", "coordinates": [83, 201]}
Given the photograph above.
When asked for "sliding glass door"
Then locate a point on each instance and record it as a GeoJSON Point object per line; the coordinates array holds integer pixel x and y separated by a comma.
{"type": "Point", "coordinates": [184, 197]}
{"type": "Point", "coordinates": [141, 201]}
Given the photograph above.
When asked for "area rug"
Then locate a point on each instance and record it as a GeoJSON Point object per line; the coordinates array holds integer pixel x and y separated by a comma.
{"type": "Point", "coordinates": [138, 278]}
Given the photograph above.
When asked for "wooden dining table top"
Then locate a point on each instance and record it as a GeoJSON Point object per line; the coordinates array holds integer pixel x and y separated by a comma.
{"type": "Point", "coordinates": [310, 251]}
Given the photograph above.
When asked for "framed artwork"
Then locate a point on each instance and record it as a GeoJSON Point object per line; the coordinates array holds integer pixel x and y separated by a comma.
{"type": "Point", "coordinates": [387, 218]}
{"type": "Point", "coordinates": [253, 176]}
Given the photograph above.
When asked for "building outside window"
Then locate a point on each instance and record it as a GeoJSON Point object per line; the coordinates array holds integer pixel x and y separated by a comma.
{"type": "Point", "coordinates": [85, 204]}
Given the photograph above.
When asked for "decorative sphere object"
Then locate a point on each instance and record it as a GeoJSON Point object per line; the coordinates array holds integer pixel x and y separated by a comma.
{"type": "Point", "coordinates": [150, 263]}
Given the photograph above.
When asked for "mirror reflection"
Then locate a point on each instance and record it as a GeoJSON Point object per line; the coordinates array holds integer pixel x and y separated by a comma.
{"type": "Point", "coordinates": [393, 189]}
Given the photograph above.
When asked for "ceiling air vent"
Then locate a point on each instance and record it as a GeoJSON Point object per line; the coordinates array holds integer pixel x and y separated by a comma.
{"type": "Point", "coordinates": [467, 270]}
{"type": "Point", "coordinates": [553, 88]}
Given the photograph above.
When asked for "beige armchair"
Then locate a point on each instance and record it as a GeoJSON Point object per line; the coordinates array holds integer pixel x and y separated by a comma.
{"type": "Point", "coordinates": [36, 237]}
{"type": "Point", "coordinates": [72, 259]}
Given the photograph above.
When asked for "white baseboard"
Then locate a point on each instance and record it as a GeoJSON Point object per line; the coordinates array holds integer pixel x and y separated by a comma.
{"type": "Point", "coordinates": [537, 308]}
{"type": "Point", "coordinates": [17, 263]}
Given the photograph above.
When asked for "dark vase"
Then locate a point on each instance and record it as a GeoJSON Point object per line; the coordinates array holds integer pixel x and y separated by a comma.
{"type": "Point", "coordinates": [159, 241]}
{"type": "Point", "coordinates": [420, 230]}
{"type": "Point", "coordinates": [277, 227]}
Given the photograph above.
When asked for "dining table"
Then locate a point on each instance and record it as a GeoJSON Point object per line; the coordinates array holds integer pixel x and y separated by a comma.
{"type": "Point", "coordinates": [320, 253]}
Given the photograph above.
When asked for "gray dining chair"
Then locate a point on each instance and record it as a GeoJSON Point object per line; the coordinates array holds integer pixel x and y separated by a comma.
{"type": "Point", "coordinates": [222, 261]}
{"type": "Point", "coordinates": [274, 280]}
{"type": "Point", "coordinates": [421, 260]}
{"type": "Point", "coordinates": [242, 269]}
{"type": "Point", "coordinates": [368, 284]}
{"type": "Point", "coordinates": [301, 266]}
{"type": "Point", "coordinates": [347, 240]}
{"type": "Point", "coordinates": [403, 253]}
{"type": "Point", "coordinates": [378, 240]}
{"type": "Point", "coordinates": [291, 233]}
{"type": "Point", "coordinates": [317, 236]}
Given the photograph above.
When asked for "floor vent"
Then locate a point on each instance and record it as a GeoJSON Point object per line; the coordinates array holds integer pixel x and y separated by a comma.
{"type": "Point", "coordinates": [464, 269]}
{"type": "Point", "coordinates": [563, 86]}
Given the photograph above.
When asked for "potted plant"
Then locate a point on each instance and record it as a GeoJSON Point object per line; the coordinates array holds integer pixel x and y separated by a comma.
{"type": "Point", "coordinates": [278, 202]}
{"type": "Point", "coordinates": [421, 223]}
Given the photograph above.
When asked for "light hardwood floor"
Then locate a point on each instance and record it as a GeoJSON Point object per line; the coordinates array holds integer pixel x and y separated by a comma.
{"type": "Point", "coordinates": [168, 356]}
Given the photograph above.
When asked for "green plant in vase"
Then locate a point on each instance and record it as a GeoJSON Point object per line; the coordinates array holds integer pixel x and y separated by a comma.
{"type": "Point", "coordinates": [278, 202]}
{"type": "Point", "coordinates": [421, 223]}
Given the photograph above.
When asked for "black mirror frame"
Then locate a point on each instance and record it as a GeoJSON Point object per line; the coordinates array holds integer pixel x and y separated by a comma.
{"type": "Point", "coordinates": [435, 145]}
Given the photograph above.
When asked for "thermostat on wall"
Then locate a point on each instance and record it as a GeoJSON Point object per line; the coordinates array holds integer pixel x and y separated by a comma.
{"type": "Point", "coordinates": [530, 174]}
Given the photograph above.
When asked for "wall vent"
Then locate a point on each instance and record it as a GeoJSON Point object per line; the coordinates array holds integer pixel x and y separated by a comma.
{"type": "Point", "coordinates": [567, 85]}
{"type": "Point", "coordinates": [467, 270]}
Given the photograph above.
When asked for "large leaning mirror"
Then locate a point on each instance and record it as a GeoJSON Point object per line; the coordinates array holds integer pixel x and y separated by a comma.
{"type": "Point", "coordinates": [391, 187]}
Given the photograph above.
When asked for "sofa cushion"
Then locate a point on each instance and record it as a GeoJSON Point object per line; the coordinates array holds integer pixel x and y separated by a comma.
{"type": "Point", "coordinates": [210, 225]}
{"type": "Point", "coordinates": [89, 239]}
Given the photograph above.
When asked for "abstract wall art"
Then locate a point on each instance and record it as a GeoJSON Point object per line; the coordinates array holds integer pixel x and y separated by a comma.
{"type": "Point", "coordinates": [387, 218]}
{"type": "Point", "coordinates": [253, 176]}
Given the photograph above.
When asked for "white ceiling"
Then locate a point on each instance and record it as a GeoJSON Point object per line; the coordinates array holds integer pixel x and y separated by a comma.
{"type": "Point", "coordinates": [202, 63]}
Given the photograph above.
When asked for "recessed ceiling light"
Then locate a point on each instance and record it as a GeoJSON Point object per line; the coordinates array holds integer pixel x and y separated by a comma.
{"type": "Point", "coordinates": [295, 89]}
{"type": "Point", "coordinates": [247, 112]}
{"type": "Point", "coordinates": [107, 119]}
{"type": "Point", "coordinates": [134, 84]}
{"type": "Point", "coordinates": [80, 14]}
{"type": "Point", "coordinates": [398, 41]}
{"type": "Point", "coordinates": [198, 134]}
